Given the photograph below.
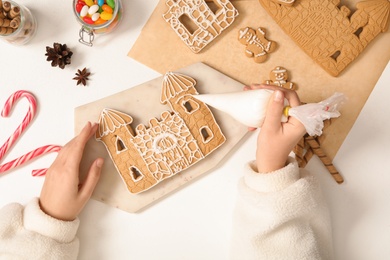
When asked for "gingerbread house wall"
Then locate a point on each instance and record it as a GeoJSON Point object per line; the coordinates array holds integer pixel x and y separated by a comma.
{"type": "Point", "coordinates": [333, 36]}
{"type": "Point", "coordinates": [128, 158]}
{"type": "Point", "coordinates": [209, 24]}
{"type": "Point", "coordinates": [199, 118]}
{"type": "Point", "coordinates": [167, 146]}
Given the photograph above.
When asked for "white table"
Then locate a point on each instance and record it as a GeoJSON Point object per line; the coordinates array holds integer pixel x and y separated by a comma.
{"type": "Point", "coordinates": [194, 222]}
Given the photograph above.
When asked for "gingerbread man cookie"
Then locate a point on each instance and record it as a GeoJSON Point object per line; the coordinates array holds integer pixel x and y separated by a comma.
{"type": "Point", "coordinates": [257, 46]}
{"type": "Point", "coordinates": [279, 77]}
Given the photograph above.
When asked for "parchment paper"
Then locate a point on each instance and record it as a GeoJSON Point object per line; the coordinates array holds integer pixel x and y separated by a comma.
{"type": "Point", "coordinates": [161, 49]}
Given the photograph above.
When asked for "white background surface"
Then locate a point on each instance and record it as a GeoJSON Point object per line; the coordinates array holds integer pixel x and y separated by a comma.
{"type": "Point", "coordinates": [194, 222]}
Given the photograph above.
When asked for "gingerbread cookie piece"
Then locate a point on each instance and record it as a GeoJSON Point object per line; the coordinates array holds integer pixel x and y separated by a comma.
{"type": "Point", "coordinates": [284, 2]}
{"type": "Point", "coordinates": [147, 155]}
{"type": "Point", "coordinates": [279, 77]}
{"type": "Point", "coordinates": [257, 46]}
{"type": "Point", "coordinates": [329, 34]}
{"type": "Point", "coordinates": [196, 24]}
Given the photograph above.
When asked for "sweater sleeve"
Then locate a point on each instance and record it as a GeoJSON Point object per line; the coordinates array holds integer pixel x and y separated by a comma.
{"type": "Point", "coordinates": [280, 215]}
{"type": "Point", "coordinates": [28, 233]}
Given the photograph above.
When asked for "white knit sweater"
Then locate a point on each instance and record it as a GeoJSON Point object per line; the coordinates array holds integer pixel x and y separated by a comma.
{"type": "Point", "coordinates": [28, 233]}
{"type": "Point", "coordinates": [279, 215]}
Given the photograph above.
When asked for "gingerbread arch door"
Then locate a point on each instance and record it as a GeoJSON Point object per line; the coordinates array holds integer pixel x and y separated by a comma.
{"type": "Point", "coordinates": [169, 154]}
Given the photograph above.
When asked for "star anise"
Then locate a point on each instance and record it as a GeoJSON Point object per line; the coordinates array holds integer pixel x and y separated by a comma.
{"type": "Point", "coordinates": [82, 76]}
{"type": "Point", "coordinates": [59, 55]}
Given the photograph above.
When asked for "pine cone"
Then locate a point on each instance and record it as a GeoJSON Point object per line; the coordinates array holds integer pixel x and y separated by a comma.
{"type": "Point", "coordinates": [59, 55]}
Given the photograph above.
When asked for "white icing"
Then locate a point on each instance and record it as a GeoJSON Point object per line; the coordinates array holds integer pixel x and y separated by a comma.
{"type": "Point", "coordinates": [174, 84]}
{"type": "Point", "coordinates": [110, 120]}
{"type": "Point", "coordinates": [243, 32]}
{"type": "Point", "coordinates": [258, 43]}
{"type": "Point", "coordinates": [204, 20]}
{"type": "Point", "coordinates": [285, 1]}
{"type": "Point", "coordinates": [247, 107]}
{"type": "Point", "coordinates": [166, 145]}
{"type": "Point", "coordinates": [158, 148]}
{"type": "Point", "coordinates": [154, 145]}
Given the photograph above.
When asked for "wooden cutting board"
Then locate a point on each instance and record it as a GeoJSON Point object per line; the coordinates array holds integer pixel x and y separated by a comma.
{"type": "Point", "coordinates": [142, 103]}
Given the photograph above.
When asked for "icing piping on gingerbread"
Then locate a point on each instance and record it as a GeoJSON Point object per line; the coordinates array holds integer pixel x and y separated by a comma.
{"type": "Point", "coordinates": [167, 145]}
{"type": "Point", "coordinates": [257, 46]}
{"type": "Point", "coordinates": [209, 24]}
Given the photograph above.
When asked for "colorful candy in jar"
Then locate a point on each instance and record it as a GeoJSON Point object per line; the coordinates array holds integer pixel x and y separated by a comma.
{"type": "Point", "coordinates": [95, 12]}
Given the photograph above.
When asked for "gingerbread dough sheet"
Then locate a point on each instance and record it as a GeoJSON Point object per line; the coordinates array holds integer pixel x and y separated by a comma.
{"type": "Point", "coordinates": [159, 48]}
{"type": "Point", "coordinates": [143, 103]}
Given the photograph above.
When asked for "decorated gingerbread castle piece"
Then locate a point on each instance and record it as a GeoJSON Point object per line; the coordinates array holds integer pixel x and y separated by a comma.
{"type": "Point", "coordinates": [206, 23]}
{"type": "Point", "coordinates": [146, 155]}
{"type": "Point", "coordinates": [330, 33]}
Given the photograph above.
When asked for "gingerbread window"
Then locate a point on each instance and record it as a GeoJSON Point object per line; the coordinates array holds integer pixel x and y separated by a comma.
{"type": "Point", "coordinates": [207, 134]}
{"type": "Point", "coordinates": [190, 106]}
{"type": "Point", "coordinates": [120, 145]}
{"type": "Point", "coordinates": [135, 174]}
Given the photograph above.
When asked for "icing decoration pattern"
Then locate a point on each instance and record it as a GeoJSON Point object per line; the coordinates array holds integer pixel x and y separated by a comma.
{"type": "Point", "coordinates": [208, 24]}
{"type": "Point", "coordinates": [147, 155]}
{"type": "Point", "coordinates": [279, 77]}
{"type": "Point", "coordinates": [332, 36]}
{"type": "Point", "coordinates": [9, 104]}
{"type": "Point", "coordinates": [257, 46]}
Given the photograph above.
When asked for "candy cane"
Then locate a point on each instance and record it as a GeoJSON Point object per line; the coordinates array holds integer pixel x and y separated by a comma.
{"type": "Point", "coordinates": [26, 121]}
{"type": "Point", "coordinates": [29, 156]}
{"type": "Point", "coordinates": [12, 139]}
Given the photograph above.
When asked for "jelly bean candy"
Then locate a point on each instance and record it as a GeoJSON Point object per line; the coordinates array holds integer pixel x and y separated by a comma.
{"type": "Point", "coordinates": [88, 20]}
{"type": "Point", "coordinates": [93, 9]}
{"type": "Point", "coordinates": [100, 21]}
{"type": "Point", "coordinates": [100, 2]}
{"type": "Point", "coordinates": [84, 11]}
{"type": "Point", "coordinates": [111, 3]}
{"type": "Point", "coordinates": [95, 17]}
{"type": "Point", "coordinates": [79, 7]}
{"type": "Point", "coordinates": [106, 16]}
{"type": "Point", "coordinates": [107, 8]}
{"type": "Point", "coordinates": [89, 2]}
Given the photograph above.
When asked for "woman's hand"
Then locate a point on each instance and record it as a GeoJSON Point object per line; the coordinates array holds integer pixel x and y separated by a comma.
{"type": "Point", "coordinates": [276, 139]}
{"type": "Point", "coordinates": [62, 195]}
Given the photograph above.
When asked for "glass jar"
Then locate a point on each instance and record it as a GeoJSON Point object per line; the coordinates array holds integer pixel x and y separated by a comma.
{"type": "Point", "coordinates": [88, 29]}
{"type": "Point", "coordinates": [19, 26]}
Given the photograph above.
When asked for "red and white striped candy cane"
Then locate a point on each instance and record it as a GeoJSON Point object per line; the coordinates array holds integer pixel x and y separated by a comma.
{"type": "Point", "coordinates": [9, 104]}
{"type": "Point", "coordinates": [29, 156]}
{"type": "Point", "coordinates": [12, 139]}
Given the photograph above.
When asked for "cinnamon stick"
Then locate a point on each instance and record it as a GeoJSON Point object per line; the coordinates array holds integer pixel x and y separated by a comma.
{"type": "Point", "coordinates": [315, 146]}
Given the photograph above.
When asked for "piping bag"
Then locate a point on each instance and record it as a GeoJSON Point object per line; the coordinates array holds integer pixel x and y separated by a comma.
{"type": "Point", "coordinates": [249, 108]}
